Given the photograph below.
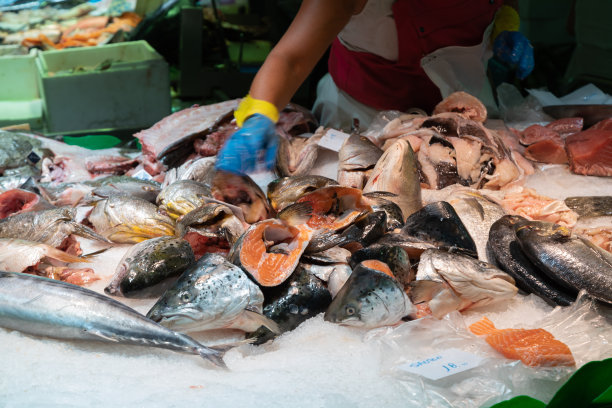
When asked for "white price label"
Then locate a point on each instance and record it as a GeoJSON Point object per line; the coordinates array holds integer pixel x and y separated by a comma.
{"type": "Point", "coordinates": [333, 140]}
{"type": "Point", "coordinates": [443, 364]}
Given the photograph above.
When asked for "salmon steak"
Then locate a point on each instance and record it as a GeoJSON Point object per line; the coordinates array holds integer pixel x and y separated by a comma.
{"type": "Point", "coordinates": [335, 207]}
{"type": "Point", "coordinates": [590, 151]}
{"type": "Point", "coordinates": [534, 347]}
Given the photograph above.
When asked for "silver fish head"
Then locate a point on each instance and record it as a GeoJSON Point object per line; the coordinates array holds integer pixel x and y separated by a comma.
{"type": "Point", "coordinates": [182, 197]}
{"type": "Point", "coordinates": [287, 190]}
{"type": "Point", "coordinates": [211, 294]}
{"type": "Point", "coordinates": [370, 298]}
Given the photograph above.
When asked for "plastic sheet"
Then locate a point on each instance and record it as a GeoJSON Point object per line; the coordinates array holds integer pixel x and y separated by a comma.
{"type": "Point", "coordinates": [492, 378]}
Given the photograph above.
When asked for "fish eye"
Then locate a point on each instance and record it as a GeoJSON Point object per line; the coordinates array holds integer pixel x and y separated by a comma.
{"type": "Point", "coordinates": [186, 296]}
{"type": "Point", "coordinates": [350, 310]}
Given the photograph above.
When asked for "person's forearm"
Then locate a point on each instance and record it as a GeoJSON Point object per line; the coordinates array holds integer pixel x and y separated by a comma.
{"type": "Point", "coordinates": [293, 58]}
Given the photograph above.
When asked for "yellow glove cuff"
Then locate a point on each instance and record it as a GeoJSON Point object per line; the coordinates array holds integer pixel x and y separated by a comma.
{"type": "Point", "coordinates": [250, 106]}
{"type": "Point", "coordinates": [506, 19]}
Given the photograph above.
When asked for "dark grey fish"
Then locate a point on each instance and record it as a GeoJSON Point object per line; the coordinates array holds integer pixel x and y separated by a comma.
{"type": "Point", "coordinates": [510, 258]}
{"type": "Point", "coordinates": [212, 294]}
{"type": "Point", "coordinates": [394, 256]}
{"type": "Point", "coordinates": [148, 268]}
{"type": "Point", "coordinates": [299, 298]}
{"type": "Point", "coordinates": [572, 262]}
{"type": "Point", "coordinates": [590, 206]}
{"type": "Point", "coordinates": [45, 307]}
{"type": "Point", "coordinates": [380, 201]}
{"type": "Point", "coordinates": [370, 298]}
{"type": "Point", "coordinates": [436, 225]}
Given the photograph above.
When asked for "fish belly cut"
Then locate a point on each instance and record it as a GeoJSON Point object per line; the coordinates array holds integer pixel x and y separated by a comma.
{"type": "Point", "coordinates": [534, 347]}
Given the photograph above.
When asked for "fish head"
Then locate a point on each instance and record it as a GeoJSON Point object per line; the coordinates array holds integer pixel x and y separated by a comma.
{"type": "Point", "coordinates": [541, 229]}
{"type": "Point", "coordinates": [240, 190]}
{"type": "Point", "coordinates": [363, 301]}
{"type": "Point", "coordinates": [178, 307]}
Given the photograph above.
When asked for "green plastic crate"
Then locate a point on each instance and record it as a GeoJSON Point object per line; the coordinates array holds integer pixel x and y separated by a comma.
{"type": "Point", "coordinates": [115, 86]}
{"type": "Point", "coordinates": [20, 100]}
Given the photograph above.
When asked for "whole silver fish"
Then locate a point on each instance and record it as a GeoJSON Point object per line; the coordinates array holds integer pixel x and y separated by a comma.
{"type": "Point", "coordinates": [147, 268]}
{"type": "Point", "coordinates": [212, 294]}
{"type": "Point", "coordinates": [369, 298]}
{"type": "Point", "coordinates": [396, 172]}
{"type": "Point", "coordinates": [182, 196]}
{"type": "Point", "coordinates": [569, 260]}
{"type": "Point", "coordinates": [50, 227]}
{"type": "Point", "coordinates": [44, 307]}
{"type": "Point", "coordinates": [450, 282]}
{"type": "Point", "coordinates": [125, 219]}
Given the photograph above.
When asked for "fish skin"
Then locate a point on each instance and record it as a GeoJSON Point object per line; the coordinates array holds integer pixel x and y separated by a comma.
{"type": "Point", "coordinates": [356, 156]}
{"type": "Point", "coordinates": [44, 307]}
{"type": "Point", "coordinates": [510, 258]}
{"type": "Point", "coordinates": [396, 172]}
{"type": "Point", "coordinates": [571, 261]}
{"type": "Point", "coordinates": [394, 256]}
{"type": "Point", "coordinates": [369, 299]}
{"type": "Point", "coordinates": [201, 170]}
{"type": "Point", "coordinates": [14, 149]}
{"type": "Point", "coordinates": [590, 206]}
{"type": "Point", "coordinates": [477, 213]}
{"type": "Point", "coordinates": [146, 266]}
{"type": "Point", "coordinates": [449, 282]}
{"type": "Point", "coordinates": [380, 201]}
{"type": "Point", "coordinates": [211, 219]}
{"type": "Point", "coordinates": [49, 227]}
{"type": "Point", "coordinates": [124, 219]}
{"type": "Point", "coordinates": [241, 191]}
{"type": "Point", "coordinates": [296, 156]}
{"type": "Point", "coordinates": [212, 294]}
{"type": "Point", "coordinates": [437, 225]}
{"type": "Point", "coordinates": [287, 190]}
{"type": "Point", "coordinates": [124, 185]}
{"type": "Point", "coordinates": [182, 197]}
{"type": "Point", "coordinates": [299, 298]}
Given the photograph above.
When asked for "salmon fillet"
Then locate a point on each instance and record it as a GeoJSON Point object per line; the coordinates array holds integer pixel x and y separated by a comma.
{"type": "Point", "coordinates": [590, 151]}
{"type": "Point", "coordinates": [534, 347]}
{"type": "Point", "coordinates": [547, 151]}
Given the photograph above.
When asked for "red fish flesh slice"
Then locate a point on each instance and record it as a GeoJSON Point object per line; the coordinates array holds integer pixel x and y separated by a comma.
{"type": "Point", "coordinates": [566, 126]}
{"type": "Point", "coordinates": [534, 347]}
{"type": "Point", "coordinates": [547, 151]}
{"type": "Point", "coordinates": [538, 133]}
{"type": "Point", "coordinates": [590, 152]}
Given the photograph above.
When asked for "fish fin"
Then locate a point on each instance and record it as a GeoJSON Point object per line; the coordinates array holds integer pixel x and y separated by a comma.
{"type": "Point", "coordinates": [213, 355]}
{"type": "Point", "coordinates": [94, 253]}
{"type": "Point", "coordinates": [224, 347]}
{"type": "Point", "coordinates": [380, 194]}
{"type": "Point", "coordinates": [263, 320]}
{"type": "Point", "coordinates": [423, 290]}
{"type": "Point", "coordinates": [296, 214]}
{"type": "Point", "coordinates": [473, 202]}
{"type": "Point", "coordinates": [63, 256]}
{"type": "Point", "coordinates": [86, 232]}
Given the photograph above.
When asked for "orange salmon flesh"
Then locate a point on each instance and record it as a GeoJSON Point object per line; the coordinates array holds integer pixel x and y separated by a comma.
{"type": "Point", "coordinates": [534, 347]}
{"type": "Point", "coordinates": [334, 207]}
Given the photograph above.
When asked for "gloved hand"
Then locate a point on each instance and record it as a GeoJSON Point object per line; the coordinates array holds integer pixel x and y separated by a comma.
{"type": "Point", "coordinates": [513, 49]}
{"type": "Point", "coordinates": [509, 46]}
{"type": "Point", "coordinates": [255, 140]}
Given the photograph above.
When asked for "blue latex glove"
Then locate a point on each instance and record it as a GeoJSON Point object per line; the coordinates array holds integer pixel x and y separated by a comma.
{"type": "Point", "coordinates": [514, 49]}
{"type": "Point", "coordinates": [254, 140]}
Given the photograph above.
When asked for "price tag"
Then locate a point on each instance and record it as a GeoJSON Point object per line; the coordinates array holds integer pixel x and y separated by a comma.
{"type": "Point", "coordinates": [142, 174]}
{"type": "Point", "coordinates": [333, 140]}
{"type": "Point", "coordinates": [443, 364]}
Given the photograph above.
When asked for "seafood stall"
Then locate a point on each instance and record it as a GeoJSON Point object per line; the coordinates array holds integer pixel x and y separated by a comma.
{"type": "Point", "coordinates": [432, 260]}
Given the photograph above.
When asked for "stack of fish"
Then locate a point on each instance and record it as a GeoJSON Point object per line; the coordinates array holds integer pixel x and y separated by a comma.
{"type": "Point", "coordinates": [213, 251]}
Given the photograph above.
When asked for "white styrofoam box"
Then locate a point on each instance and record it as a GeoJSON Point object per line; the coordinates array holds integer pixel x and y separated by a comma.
{"type": "Point", "coordinates": [115, 86]}
{"type": "Point", "coordinates": [19, 93]}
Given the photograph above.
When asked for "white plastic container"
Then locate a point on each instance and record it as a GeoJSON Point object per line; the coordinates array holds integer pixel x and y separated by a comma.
{"type": "Point", "coordinates": [110, 87]}
{"type": "Point", "coordinates": [20, 100]}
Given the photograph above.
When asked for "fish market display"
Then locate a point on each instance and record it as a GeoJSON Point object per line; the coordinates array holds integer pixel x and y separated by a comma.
{"type": "Point", "coordinates": [212, 294]}
{"type": "Point", "coordinates": [44, 307]}
{"type": "Point", "coordinates": [535, 347]}
{"type": "Point", "coordinates": [424, 219]}
{"type": "Point", "coordinates": [147, 268]}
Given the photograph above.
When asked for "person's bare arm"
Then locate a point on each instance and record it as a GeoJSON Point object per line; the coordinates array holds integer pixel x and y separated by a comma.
{"type": "Point", "coordinates": [293, 58]}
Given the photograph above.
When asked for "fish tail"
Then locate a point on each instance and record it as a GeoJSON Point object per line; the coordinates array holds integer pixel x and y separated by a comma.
{"type": "Point", "coordinates": [63, 256]}
{"type": "Point", "coordinates": [86, 232]}
{"type": "Point", "coordinates": [213, 355]}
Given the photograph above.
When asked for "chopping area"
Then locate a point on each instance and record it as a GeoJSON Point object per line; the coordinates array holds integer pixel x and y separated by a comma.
{"type": "Point", "coordinates": [305, 203]}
